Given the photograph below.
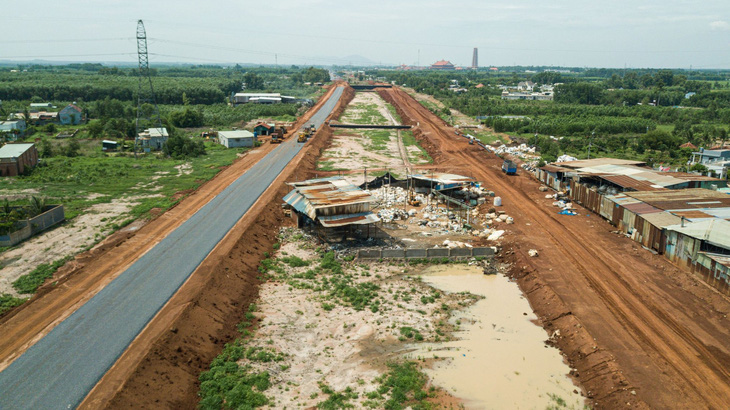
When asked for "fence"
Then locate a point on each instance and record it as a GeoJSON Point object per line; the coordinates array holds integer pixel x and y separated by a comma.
{"type": "Point", "coordinates": [53, 215]}
{"type": "Point", "coordinates": [420, 253]}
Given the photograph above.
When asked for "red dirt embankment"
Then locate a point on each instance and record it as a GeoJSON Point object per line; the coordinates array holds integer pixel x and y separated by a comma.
{"type": "Point", "coordinates": [161, 367]}
{"type": "Point", "coordinates": [638, 331]}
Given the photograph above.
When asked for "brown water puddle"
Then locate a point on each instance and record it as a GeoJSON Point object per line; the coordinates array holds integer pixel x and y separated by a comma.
{"type": "Point", "coordinates": [501, 360]}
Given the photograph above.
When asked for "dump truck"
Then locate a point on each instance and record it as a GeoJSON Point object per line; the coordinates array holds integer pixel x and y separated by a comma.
{"type": "Point", "coordinates": [509, 167]}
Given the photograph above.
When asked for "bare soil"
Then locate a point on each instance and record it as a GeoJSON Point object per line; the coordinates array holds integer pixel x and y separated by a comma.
{"type": "Point", "coordinates": [639, 331]}
{"type": "Point", "coordinates": [67, 239]}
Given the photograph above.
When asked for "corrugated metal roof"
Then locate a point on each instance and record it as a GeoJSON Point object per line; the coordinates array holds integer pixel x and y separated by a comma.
{"type": "Point", "coordinates": [714, 231]}
{"type": "Point", "coordinates": [683, 199]}
{"type": "Point", "coordinates": [14, 150]}
{"type": "Point", "coordinates": [555, 169]}
{"type": "Point", "coordinates": [443, 178]}
{"type": "Point", "coordinates": [310, 196]}
{"type": "Point", "coordinates": [235, 134]}
{"type": "Point", "coordinates": [361, 218]}
{"type": "Point", "coordinates": [723, 260]}
{"type": "Point", "coordinates": [692, 215]}
{"type": "Point", "coordinates": [641, 208]}
{"type": "Point", "coordinates": [600, 161]}
{"type": "Point", "coordinates": [662, 219]}
{"type": "Point", "coordinates": [628, 182]}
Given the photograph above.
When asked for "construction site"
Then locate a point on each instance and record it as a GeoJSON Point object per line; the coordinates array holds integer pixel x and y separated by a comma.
{"type": "Point", "coordinates": [370, 232]}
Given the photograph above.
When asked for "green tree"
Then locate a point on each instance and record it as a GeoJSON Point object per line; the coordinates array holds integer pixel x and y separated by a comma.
{"type": "Point", "coordinates": [71, 149]}
{"type": "Point", "coordinates": [179, 147]}
{"type": "Point", "coordinates": [253, 81]}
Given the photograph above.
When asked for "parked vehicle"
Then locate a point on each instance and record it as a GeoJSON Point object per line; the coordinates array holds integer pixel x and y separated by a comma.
{"type": "Point", "coordinates": [509, 167]}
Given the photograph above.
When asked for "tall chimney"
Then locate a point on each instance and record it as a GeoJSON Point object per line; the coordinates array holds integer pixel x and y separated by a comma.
{"type": "Point", "coordinates": [475, 59]}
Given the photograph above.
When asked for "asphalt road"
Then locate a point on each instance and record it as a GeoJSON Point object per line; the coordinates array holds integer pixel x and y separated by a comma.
{"type": "Point", "coordinates": [60, 369]}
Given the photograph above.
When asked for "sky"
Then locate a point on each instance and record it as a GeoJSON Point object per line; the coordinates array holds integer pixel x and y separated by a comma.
{"type": "Point", "coordinates": [568, 33]}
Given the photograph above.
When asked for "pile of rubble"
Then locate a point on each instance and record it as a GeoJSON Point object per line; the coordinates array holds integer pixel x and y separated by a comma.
{"type": "Point", "coordinates": [520, 151]}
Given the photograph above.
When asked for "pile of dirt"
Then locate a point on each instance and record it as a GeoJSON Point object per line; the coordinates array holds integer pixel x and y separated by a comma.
{"type": "Point", "coordinates": [210, 310]}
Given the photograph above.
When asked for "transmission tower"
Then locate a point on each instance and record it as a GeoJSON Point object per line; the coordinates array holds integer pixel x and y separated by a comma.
{"type": "Point", "coordinates": [146, 118]}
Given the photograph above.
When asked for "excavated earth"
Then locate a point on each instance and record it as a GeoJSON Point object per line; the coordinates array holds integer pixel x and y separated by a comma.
{"type": "Point", "coordinates": [638, 331]}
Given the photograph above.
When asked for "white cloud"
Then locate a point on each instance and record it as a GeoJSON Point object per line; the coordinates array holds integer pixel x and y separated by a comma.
{"type": "Point", "coordinates": [720, 25]}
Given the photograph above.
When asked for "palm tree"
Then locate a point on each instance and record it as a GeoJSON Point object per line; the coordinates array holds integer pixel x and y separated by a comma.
{"type": "Point", "coordinates": [36, 206]}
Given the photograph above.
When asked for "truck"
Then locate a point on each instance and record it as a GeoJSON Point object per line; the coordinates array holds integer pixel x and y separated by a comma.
{"type": "Point", "coordinates": [509, 167]}
{"type": "Point", "coordinates": [275, 139]}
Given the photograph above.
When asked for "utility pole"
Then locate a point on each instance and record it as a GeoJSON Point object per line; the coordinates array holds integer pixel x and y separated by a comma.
{"type": "Point", "coordinates": [590, 142]}
{"type": "Point", "coordinates": [145, 91]}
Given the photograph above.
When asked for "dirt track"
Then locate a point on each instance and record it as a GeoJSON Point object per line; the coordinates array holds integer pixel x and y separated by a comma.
{"type": "Point", "coordinates": [637, 330]}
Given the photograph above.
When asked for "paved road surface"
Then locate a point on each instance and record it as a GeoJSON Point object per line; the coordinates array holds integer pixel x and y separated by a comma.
{"type": "Point", "coordinates": [60, 370]}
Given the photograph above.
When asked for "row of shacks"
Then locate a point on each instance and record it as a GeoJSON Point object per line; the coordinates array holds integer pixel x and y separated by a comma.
{"type": "Point", "coordinates": [683, 216]}
{"type": "Point", "coordinates": [334, 208]}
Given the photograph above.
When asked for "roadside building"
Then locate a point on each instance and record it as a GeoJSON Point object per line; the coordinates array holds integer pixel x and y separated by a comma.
{"type": "Point", "coordinates": [704, 248]}
{"type": "Point", "coordinates": [70, 115]}
{"type": "Point", "coordinates": [332, 207]}
{"type": "Point", "coordinates": [263, 128]}
{"type": "Point", "coordinates": [15, 159]}
{"type": "Point", "coordinates": [153, 139]}
{"type": "Point", "coordinates": [442, 65]}
{"type": "Point", "coordinates": [12, 129]}
{"type": "Point", "coordinates": [716, 160]}
{"type": "Point", "coordinates": [236, 139]}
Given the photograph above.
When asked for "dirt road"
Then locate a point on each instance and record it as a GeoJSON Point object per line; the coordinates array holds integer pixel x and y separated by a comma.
{"type": "Point", "coordinates": [636, 329]}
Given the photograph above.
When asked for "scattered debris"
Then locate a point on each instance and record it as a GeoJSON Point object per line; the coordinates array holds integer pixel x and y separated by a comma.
{"type": "Point", "coordinates": [533, 252]}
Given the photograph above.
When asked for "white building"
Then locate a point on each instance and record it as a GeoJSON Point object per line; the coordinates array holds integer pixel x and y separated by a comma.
{"type": "Point", "coordinates": [262, 98]}
{"type": "Point", "coordinates": [236, 139]}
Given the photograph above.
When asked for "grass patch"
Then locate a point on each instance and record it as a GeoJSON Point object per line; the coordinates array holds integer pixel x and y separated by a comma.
{"type": "Point", "coordinates": [336, 400]}
{"type": "Point", "coordinates": [294, 261]}
{"type": "Point", "coordinates": [83, 181]}
{"type": "Point", "coordinates": [404, 382]}
{"type": "Point", "coordinates": [421, 157]}
{"type": "Point", "coordinates": [30, 282]}
{"type": "Point", "coordinates": [8, 302]}
{"type": "Point", "coordinates": [378, 139]}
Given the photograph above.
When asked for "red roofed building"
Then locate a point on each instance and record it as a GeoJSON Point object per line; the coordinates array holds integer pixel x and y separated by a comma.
{"type": "Point", "coordinates": [688, 145]}
{"type": "Point", "coordinates": [442, 65]}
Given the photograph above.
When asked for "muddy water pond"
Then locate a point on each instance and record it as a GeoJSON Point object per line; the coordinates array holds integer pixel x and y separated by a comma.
{"type": "Point", "coordinates": [499, 359]}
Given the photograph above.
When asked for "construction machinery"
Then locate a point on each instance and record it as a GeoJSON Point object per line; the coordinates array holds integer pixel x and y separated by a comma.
{"type": "Point", "coordinates": [275, 139]}
{"type": "Point", "coordinates": [302, 137]}
{"type": "Point", "coordinates": [412, 201]}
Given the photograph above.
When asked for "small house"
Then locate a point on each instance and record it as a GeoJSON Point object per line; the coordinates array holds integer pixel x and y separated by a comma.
{"type": "Point", "coordinates": [70, 115]}
{"type": "Point", "coordinates": [153, 138]}
{"type": "Point", "coordinates": [12, 129]}
{"type": "Point", "coordinates": [41, 105]}
{"type": "Point", "coordinates": [236, 139]}
{"type": "Point", "coordinates": [15, 159]}
{"type": "Point", "coordinates": [264, 129]}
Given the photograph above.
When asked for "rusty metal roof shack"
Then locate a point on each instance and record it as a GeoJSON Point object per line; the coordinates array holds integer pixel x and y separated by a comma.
{"type": "Point", "coordinates": [332, 202]}
{"type": "Point", "coordinates": [440, 181]}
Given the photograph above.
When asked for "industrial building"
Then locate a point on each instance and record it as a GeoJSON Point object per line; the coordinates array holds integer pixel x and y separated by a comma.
{"type": "Point", "coordinates": [262, 98]}
{"type": "Point", "coordinates": [15, 159]}
{"type": "Point", "coordinates": [333, 207]}
{"type": "Point", "coordinates": [438, 181]}
{"type": "Point", "coordinates": [236, 139]}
